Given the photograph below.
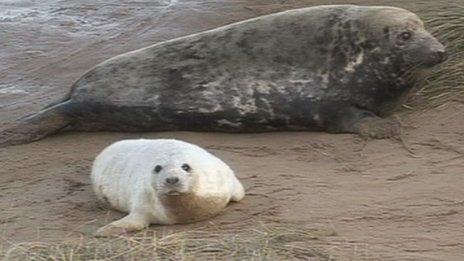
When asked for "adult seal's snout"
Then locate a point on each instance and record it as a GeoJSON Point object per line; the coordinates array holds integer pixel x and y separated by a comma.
{"type": "Point", "coordinates": [442, 55]}
{"type": "Point", "coordinates": [437, 51]}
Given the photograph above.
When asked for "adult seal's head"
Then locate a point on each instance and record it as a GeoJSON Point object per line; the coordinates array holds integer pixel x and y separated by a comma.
{"type": "Point", "coordinates": [404, 38]}
{"type": "Point", "coordinates": [382, 50]}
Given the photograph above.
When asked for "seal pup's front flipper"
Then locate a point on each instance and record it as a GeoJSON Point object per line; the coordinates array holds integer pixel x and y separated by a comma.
{"type": "Point", "coordinates": [37, 126]}
{"type": "Point", "coordinates": [132, 222]}
{"type": "Point", "coordinates": [238, 192]}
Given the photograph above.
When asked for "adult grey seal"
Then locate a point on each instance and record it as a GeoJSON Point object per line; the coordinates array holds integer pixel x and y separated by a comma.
{"type": "Point", "coordinates": [161, 182]}
{"type": "Point", "coordinates": [336, 68]}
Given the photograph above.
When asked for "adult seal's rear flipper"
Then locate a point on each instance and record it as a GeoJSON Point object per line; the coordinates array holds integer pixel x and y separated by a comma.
{"type": "Point", "coordinates": [37, 126]}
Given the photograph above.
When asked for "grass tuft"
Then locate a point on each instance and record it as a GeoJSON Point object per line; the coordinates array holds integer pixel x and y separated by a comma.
{"type": "Point", "coordinates": [265, 242]}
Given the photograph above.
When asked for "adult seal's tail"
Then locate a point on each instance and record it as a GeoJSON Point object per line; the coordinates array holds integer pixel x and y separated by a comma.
{"type": "Point", "coordinates": [340, 68]}
{"type": "Point", "coordinates": [48, 121]}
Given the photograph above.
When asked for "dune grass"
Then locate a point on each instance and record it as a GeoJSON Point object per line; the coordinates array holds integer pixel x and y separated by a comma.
{"type": "Point", "coordinates": [265, 242]}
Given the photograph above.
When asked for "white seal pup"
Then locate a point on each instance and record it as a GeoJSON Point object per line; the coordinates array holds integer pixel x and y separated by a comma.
{"type": "Point", "coordinates": [161, 181]}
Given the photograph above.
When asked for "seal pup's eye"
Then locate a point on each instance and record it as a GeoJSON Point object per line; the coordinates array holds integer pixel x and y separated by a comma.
{"type": "Point", "coordinates": [405, 36]}
{"type": "Point", "coordinates": [186, 167]}
{"type": "Point", "coordinates": [157, 169]}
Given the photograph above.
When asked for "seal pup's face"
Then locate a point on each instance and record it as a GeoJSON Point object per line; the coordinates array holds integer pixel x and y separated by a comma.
{"type": "Point", "coordinates": [407, 37]}
{"type": "Point", "coordinates": [173, 178]}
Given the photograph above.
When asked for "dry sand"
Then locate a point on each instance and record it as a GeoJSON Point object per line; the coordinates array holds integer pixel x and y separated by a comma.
{"type": "Point", "coordinates": [385, 199]}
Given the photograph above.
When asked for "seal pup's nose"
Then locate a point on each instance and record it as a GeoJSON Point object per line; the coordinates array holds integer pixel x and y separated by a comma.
{"type": "Point", "coordinates": [172, 180]}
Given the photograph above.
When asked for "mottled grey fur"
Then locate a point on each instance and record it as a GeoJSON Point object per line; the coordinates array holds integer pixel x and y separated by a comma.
{"type": "Point", "coordinates": [333, 68]}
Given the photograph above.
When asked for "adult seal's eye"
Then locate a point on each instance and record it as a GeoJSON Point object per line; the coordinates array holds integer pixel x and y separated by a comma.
{"type": "Point", "coordinates": [186, 167]}
{"type": "Point", "coordinates": [157, 169]}
{"type": "Point", "coordinates": [405, 36]}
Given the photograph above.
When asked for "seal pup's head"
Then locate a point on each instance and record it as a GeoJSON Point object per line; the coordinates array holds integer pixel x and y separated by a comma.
{"type": "Point", "coordinates": [404, 35]}
{"type": "Point", "coordinates": [174, 177]}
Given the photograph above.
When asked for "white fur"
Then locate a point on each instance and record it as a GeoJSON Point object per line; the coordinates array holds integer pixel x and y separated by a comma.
{"type": "Point", "coordinates": [122, 174]}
